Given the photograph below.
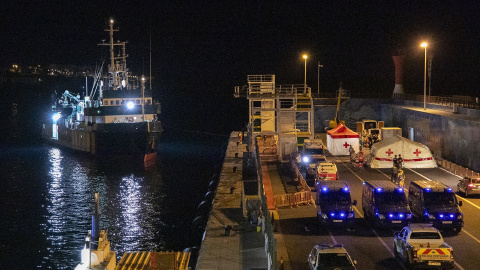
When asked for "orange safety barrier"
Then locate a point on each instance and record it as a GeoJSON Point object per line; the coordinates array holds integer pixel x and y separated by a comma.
{"type": "Point", "coordinates": [267, 187]}
{"type": "Point", "coordinates": [304, 197]}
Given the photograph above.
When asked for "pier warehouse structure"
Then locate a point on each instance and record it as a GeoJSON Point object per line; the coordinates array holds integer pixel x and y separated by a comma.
{"type": "Point", "coordinates": [283, 113]}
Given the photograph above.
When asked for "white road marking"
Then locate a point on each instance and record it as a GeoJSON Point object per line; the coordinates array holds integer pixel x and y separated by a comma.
{"type": "Point", "coordinates": [469, 234]}
{"type": "Point", "coordinates": [373, 230]}
{"type": "Point", "coordinates": [458, 266]}
{"type": "Point", "coordinates": [333, 238]}
{"type": "Point", "coordinates": [474, 238]}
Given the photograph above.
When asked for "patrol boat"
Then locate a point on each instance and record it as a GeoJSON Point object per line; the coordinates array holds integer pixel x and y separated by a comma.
{"type": "Point", "coordinates": [118, 116]}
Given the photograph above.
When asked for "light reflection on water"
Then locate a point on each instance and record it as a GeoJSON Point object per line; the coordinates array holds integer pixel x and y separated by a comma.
{"type": "Point", "coordinates": [127, 208]}
{"type": "Point", "coordinates": [48, 199]}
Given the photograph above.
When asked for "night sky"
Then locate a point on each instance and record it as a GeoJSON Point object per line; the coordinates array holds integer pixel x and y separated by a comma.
{"type": "Point", "coordinates": [202, 49]}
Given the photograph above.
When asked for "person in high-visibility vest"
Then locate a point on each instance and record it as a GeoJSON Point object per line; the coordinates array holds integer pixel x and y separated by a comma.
{"type": "Point", "coordinates": [360, 159]}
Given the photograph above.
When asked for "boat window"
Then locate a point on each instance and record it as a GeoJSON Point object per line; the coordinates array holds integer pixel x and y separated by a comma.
{"type": "Point", "coordinates": [137, 101]}
{"type": "Point", "coordinates": [117, 102]}
{"type": "Point", "coordinates": [123, 101]}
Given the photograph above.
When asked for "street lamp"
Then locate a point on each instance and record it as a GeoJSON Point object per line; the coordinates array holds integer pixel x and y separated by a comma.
{"type": "Point", "coordinates": [424, 44]}
{"type": "Point", "coordinates": [305, 81]}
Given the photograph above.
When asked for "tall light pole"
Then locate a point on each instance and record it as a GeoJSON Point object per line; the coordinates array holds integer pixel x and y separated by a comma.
{"type": "Point", "coordinates": [424, 44]}
{"type": "Point", "coordinates": [430, 59]}
{"type": "Point", "coordinates": [318, 78]}
{"type": "Point", "coordinates": [305, 81]}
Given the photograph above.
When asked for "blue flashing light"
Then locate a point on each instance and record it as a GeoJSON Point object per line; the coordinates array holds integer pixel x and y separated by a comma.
{"type": "Point", "coordinates": [400, 215]}
{"type": "Point", "coordinates": [428, 189]}
{"type": "Point", "coordinates": [452, 215]}
{"type": "Point", "coordinates": [390, 215]}
{"type": "Point", "coordinates": [363, 183]}
{"type": "Point", "coordinates": [441, 216]}
{"type": "Point", "coordinates": [400, 189]}
{"type": "Point", "coordinates": [345, 189]}
{"type": "Point", "coordinates": [342, 214]}
{"type": "Point", "coordinates": [324, 189]}
{"type": "Point", "coordinates": [449, 189]}
{"type": "Point", "coordinates": [379, 189]}
{"type": "Point", "coordinates": [332, 214]}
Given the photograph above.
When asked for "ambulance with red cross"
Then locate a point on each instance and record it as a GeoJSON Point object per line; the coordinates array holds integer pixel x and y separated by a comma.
{"type": "Point", "coordinates": [422, 245]}
{"type": "Point", "coordinates": [327, 171]}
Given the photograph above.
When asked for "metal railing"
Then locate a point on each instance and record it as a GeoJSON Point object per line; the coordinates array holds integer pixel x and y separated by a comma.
{"type": "Point", "coordinates": [274, 90]}
{"type": "Point", "coordinates": [460, 101]}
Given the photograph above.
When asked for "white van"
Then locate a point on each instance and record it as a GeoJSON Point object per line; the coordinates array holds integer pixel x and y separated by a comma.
{"type": "Point", "coordinates": [327, 171]}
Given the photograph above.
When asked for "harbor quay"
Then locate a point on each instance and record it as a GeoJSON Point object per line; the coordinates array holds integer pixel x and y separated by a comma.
{"type": "Point", "coordinates": [243, 229]}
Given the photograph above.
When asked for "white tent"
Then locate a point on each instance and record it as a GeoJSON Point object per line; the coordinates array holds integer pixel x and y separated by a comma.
{"type": "Point", "coordinates": [414, 154]}
{"type": "Point", "coordinates": [339, 140]}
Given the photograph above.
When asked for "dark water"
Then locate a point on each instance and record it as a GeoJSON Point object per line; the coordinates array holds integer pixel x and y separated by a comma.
{"type": "Point", "coordinates": [47, 194]}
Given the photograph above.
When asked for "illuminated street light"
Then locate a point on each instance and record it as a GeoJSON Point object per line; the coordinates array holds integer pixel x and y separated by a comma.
{"type": "Point", "coordinates": [424, 44]}
{"type": "Point", "coordinates": [305, 81]}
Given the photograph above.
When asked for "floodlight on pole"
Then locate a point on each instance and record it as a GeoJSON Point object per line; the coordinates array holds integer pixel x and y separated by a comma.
{"type": "Point", "coordinates": [424, 45]}
{"type": "Point", "coordinates": [318, 78]}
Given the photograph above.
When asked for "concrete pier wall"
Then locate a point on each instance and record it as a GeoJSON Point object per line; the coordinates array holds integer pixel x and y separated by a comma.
{"type": "Point", "coordinates": [453, 136]}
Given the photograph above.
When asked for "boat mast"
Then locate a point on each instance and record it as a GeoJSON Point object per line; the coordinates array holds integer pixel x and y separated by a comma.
{"type": "Point", "coordinates": [143, 97]}
{"type": "Point", "coordinates": [112, 56]}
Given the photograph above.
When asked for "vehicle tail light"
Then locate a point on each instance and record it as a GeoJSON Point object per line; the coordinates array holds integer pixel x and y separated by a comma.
{"type": "Point", "coordinates": [415, 253]}
{"type": "Point", "coordinates": [470, 185]}
{"type": "Point", "coordinates": [451, 254]}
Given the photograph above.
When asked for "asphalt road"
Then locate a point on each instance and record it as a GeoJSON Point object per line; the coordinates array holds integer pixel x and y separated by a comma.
{"type": "Point", "coordinates": [372, 248]}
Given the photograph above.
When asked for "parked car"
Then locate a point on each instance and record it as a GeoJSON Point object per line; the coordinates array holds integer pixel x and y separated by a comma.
{"type": "Point", "coordinates": [469, 186]}
{"type": "Point", "coordinates": [422, 245]}
{"type": "Point", "coordinates": [330, 257]}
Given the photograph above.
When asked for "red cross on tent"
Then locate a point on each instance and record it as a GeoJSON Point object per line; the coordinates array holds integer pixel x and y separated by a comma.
{"type": "Point", "coordinates": [389, 152]}
{"type": "Point", "coordinates": [346, 144]}
{"type": "Point", "coordinates": [417, 152]}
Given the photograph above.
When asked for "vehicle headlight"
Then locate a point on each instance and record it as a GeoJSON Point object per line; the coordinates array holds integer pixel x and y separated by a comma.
{"type": "Point", "coordinates": [430, 216]}
{"type": "Point", "coordinates": [460, 216]}
{"type": "Point", "coordinates": [324, 216]}
{"type": "Point", "coordinates": [381, 216]}
{"type": "Point", "coordinates": [409, 216]}
{"type": "Point", "coordinates": [351, 215]}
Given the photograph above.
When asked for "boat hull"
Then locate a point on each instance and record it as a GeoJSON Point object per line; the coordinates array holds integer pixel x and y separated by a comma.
{"type": "Point", "coordinates": [117, 138]}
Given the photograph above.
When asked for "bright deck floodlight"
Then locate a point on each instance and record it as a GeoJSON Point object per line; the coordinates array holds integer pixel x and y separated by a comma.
{"type": "Point", "coordinates": [56, 116]}
{"type": "Point", "coordinates": [130, 105]}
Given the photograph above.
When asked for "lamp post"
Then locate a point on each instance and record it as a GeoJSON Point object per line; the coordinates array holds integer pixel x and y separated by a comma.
{"type": "Point", "coordinates": [305, 80]}
{"type": "Point", "coordinates": [424, 44]}
{"type": "Point", "coordinates": [318, 78]}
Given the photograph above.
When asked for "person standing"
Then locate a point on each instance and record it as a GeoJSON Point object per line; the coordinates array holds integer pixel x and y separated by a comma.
{"type": "Point", "coordinates": [400, 161]}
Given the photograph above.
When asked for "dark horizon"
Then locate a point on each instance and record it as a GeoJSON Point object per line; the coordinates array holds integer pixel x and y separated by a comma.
{"type": "Point", "coordinates": [208, 50]}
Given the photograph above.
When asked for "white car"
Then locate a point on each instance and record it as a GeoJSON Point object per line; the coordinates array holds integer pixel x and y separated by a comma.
{"type": "Point", "coordinates": [422, 245]}
{"type": "Point", "coordinates": [330, 257]}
